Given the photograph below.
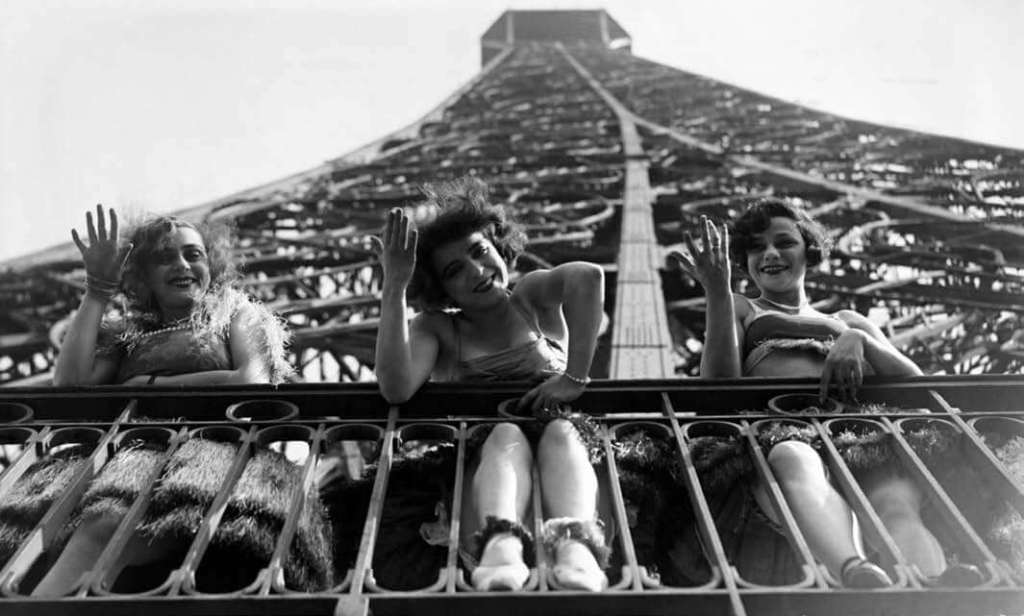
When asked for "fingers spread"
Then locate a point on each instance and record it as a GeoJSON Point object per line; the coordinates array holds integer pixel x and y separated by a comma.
{"type": "Point", "coordinates": [90, 227]}
{"type": "Point", "coordinates": [690, 246]}
{"type": "Point", "coordinates": [101, 222]}
{"type": "Point", "coordinates": [78, 240]}
{"type": "Point", "coordinates": [403, 231]}
{"type": "Point", "coordinates": [113, 224]}
{"type": "Point", "coordinates": [377, 245]}
{"type": "Point", "coordinates": [684, 261]}
{"type": "Point", "coordinates": [705, 232]}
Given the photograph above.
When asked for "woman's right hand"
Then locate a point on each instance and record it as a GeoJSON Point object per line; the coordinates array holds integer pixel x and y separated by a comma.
{"type": "Point", "coordinates": [397, 249]}
{"type": "Point", "coordinates": [709, 264]}
{"type": "Point", "coordinates": [103, 259]}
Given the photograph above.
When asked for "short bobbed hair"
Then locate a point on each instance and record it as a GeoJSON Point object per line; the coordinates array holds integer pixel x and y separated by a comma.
{"type": "Point", "coordinates": [758, 217]}
{"type": "Point", "coordinates": [146, 238]}
{"type": "Point", "coordinates": [455, 210]}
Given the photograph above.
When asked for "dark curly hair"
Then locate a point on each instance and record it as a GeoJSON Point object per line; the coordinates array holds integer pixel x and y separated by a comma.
{"type": "Point", "coordinates": [758, 217]}
{"type": "Point", "coordinates": [146, 236]}
{"type": "Point", "coordinates": [455, 210]}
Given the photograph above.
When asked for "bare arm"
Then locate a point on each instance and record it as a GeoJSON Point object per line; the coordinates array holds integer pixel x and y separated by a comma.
{"type": "Point", "coordinates": [884, 358]}
{"type": "Point", "coordinates": [406, 352]}
{"type": "Point", "coordinates": [862, 343]}
{"type": "Point", "coordinates": [578, 289]}
{"type": "Point", "coordinates": [77, 363]}
{"type": "Point", "coordinates": [722, 337]}
{"type": "Point", "coordinates": [405, 355]}
{"type": "Point", "coordinates": [709, 265]}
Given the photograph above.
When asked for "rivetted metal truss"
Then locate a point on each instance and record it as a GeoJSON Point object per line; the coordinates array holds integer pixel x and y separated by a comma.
{"type": "Point", "coordinates": [927, 229]}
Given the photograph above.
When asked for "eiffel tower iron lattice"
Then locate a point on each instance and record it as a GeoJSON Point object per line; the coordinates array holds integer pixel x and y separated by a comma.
{"type": "Point", "coordinates": [607, 156]}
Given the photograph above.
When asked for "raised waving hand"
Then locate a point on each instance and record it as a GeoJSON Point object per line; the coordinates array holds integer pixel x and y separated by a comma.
{"type": "Point", "coordinates": [104, 259]}
{"type": "Point", "coordinates": [709, 263]}
{"type": "Point", "coordinates": [397, 248]}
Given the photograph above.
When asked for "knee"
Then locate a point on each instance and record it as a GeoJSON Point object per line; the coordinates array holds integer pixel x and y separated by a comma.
{"type": "Point", "coordinates": [895, 498]}
{"type": "Point", "coordinates": [506, 438]}
{"type": "Point", "coordinates": [795, 460]}
{"type": "Point", "coordinates": [559, 434]}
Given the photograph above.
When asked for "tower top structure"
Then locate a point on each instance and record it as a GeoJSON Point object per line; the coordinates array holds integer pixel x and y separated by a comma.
{"type": "Point", "coordinates": [595, 27]}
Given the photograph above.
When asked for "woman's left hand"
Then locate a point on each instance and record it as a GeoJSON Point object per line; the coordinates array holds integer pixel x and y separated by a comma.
{"type": "Point", "coordinates": [555, 390]}
{"type": "Point", "coordinates": [844, 366]}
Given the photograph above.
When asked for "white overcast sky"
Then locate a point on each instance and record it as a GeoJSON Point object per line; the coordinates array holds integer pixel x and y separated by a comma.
{"type": "Point", "coordinates": [159, 105]}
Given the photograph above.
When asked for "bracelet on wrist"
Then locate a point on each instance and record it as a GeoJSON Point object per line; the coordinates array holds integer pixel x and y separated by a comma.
{"type": "Point", "coordinates": [575, 379]}
{"type": "Point", "coordinates": [99, 294]}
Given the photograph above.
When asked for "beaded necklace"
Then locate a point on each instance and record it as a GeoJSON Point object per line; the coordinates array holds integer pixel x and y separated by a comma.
{"type": "Point", "coordinates": [182, 323]}
{"type": "Point", "coordinates": [784, 307]}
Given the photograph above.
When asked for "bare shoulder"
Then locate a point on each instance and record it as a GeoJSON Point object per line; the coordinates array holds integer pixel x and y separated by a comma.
{"type": "Point", "coordinates": [741, 305]}
{"type": "Point", "coordinates": [431, 322]}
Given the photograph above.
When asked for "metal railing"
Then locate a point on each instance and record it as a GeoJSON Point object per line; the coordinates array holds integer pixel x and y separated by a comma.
{"type": "Point", "coordinates": [310, 424]}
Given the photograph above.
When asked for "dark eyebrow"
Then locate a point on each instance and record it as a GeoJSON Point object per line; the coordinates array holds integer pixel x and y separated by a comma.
{"type": "Point", "coordinates": [470, 249]}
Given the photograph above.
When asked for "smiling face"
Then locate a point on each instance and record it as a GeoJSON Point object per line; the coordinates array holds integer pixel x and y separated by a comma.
{"type": "Point", "coordinates": [777, 259]}
{"type": "Point", "coordinates": [471, 271]}
{"type": "Point", "coordinates": [178, 272]}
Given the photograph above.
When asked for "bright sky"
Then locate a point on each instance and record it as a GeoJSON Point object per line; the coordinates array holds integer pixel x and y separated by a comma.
{"type": "Point", "coordinates": [158, 105]}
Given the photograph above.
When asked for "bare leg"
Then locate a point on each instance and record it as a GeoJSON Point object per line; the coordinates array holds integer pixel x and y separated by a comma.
{"type": "Point", "coordinates": [898, 503]}
{"type": "Point", "coordinates": [821, 513]}
{"type": "Point", "coordinates": [569, 490]}
{"type": "Point", "coordinates": [501, 487]}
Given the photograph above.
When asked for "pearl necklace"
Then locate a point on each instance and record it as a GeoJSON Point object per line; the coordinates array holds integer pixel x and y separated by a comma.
{"type": "Point", "coordinates": [175, 326]}
{"type": "Point", "coordinates": [784, 307]}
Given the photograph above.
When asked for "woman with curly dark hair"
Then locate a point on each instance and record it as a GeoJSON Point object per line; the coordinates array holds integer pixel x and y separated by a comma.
{"type": "Point", "coordinates": [475, 327]}
{"type": "Point", "coordinates": [185, 322]}
{"type": "Point", "coordinates": [779, 334]}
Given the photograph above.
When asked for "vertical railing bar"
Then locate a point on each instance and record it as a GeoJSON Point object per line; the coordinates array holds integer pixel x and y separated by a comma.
{"type": "Point", "coordinates": [294, 515]}
{"type": "Point", "coordinates": [127, 527]}
{"type": "Point", "coordinates": [619, 509]}
{"type": "Point", "coordinates": [47, 529]}
{"type": "Point", "coordinates": [705, 522]}
{"type": "Point", "coordinates": [1008, 485]}
{"type": "Point", "coordinates": [364, 558]}
{"type": "Point", "coordinates": [942, 403]}
{"type": "Point", "coordinates": [125, 416]}
{"type": "Point", "coordinates": [455, 522]}
{"type": "Point", "coordinates": [214, 514]}
{"type": "Point", "coordinates": [778, 501]}
{"type": "Point", "coordinates": [947, 508]}
{"type": "Point", "coordinates": [28, 456]}
{"type": "Point", "coordinates": [861, 506]}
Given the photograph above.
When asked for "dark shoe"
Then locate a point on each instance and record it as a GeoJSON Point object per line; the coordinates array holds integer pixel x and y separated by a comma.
{"type": "Point", "coordinates": [860, 573]}
{"type": "Point", "coordinates": [960, 575]}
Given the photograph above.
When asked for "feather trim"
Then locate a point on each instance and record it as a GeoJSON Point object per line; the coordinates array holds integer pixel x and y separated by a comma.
{"type": "Point", "coordinates": [210, 321]}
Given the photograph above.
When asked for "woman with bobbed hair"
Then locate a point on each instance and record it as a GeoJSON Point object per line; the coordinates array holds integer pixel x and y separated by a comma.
{"type": "Point", "coordinates": [779, 334]}
{"type": "Point", "coordinates": [474, 326]}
